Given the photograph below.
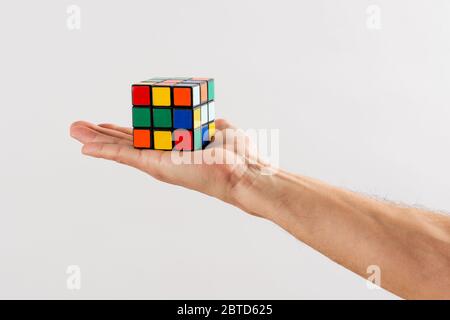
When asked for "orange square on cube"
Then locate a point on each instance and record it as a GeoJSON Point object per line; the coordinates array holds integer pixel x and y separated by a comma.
{"type": "Point", "coordinates": [182, 97]}
{"type": "Point", "coordinates": [171, 81]}
{"type": "Point", "coordinates": [141, 138]}
{"type": "Point", "coordinates": [204, 92]}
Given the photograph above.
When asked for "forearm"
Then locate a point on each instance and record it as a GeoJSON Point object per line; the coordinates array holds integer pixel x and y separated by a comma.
{"type": "Point", "coordinates": [411, 247]}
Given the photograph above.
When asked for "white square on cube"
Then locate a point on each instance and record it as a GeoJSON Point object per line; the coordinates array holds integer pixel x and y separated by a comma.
{"type": "Point", "coordinates": [204, 113]}
{"type": "Point", "coordinates": [196, 95]}
{"type": "Point", "coordinates": [211, 111]}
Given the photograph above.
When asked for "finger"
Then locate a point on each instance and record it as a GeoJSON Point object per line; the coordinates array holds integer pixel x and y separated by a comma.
{"type": "Point", "coordinates": [117, 128]}
{"type": "Point", "coordinates": [121, 153]}
{"type": "Point", "coordinates": [148, 161]}
{"type": "Point", "coordinates": [222, 124]}
{"type": "Point", "coordinates": [234, 134]}
{"type": "Point", "coordinates": [229, 137]}
{"type": "Point", "coordinates": [106, 131]}
{"type": "Point", "coordinates": [86, 135]}
{"type": "Point", "coordinates": [234, 139]}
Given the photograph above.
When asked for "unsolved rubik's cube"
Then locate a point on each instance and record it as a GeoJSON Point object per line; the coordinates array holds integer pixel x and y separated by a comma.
{"type": "Point", "coordinates": [173, 113]}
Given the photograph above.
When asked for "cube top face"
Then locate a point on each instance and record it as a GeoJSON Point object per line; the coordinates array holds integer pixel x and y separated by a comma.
{"type": "Point", "coordinates": [173, 113]}
{"type": "Point", "coordinates": [173, 92]}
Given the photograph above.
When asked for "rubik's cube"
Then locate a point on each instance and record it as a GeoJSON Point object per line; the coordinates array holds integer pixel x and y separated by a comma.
{"type": "Point", "coordinates": [173, 113]}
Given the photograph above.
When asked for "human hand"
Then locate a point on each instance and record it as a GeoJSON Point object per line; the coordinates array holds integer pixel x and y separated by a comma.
{"type": "Point", "coordinates": [230, 181]}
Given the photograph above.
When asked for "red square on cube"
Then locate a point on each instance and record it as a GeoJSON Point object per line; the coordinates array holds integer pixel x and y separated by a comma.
{"type": "Point", "coordinates": [182, 139]}
{"type": "Point", "coordinates": [140, 95]}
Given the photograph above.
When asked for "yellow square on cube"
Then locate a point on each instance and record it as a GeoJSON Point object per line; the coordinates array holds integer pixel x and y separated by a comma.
{"type": "Point", "coordinates": [161, 96]}
{"type": "Point", "coordinates": [212, 130]}
{"type": "Point", "coordinates": [197, 118]}
{"type": "Point", "coordinates": [163, 140]}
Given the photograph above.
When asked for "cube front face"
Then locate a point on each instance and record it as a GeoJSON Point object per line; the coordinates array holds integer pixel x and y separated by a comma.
{"type": "Point", "coordinates": [173, 113]}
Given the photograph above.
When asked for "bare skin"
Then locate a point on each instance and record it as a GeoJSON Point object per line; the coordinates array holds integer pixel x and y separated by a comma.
{"type": "Point", "coordinates": [411, 246]}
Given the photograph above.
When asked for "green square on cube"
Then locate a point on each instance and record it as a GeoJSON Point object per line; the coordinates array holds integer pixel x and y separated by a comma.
{"type": "Point", "coordinates": [141, 117]}
{"type": "Point", "coordinates": [162, 117]}
{"type": "Point", "coordinates": [211, 90]}
{"type": "Point", "coordinates": [198, 139]}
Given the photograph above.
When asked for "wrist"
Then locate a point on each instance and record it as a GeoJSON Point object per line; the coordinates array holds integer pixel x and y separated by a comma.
{"type": "Point", "coordinates": [258, 190]}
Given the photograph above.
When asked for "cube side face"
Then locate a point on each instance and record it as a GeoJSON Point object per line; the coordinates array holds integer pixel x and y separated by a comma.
{"type": "Point", "coordinates": [173, 113]}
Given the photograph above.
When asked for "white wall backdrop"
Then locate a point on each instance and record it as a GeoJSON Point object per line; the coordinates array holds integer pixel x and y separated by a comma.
{"type": "Point", "coordinates": [361, 98]}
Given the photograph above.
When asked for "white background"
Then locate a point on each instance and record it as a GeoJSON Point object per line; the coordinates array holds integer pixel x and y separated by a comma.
{"type": "Point", "coordinates": [363, 109]}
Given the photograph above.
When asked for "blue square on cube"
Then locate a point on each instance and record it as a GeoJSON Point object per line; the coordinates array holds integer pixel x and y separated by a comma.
{"type": "Point", "coordinates": [205, 134]}
{"type": "Point", "coordinates": [182, 119]}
